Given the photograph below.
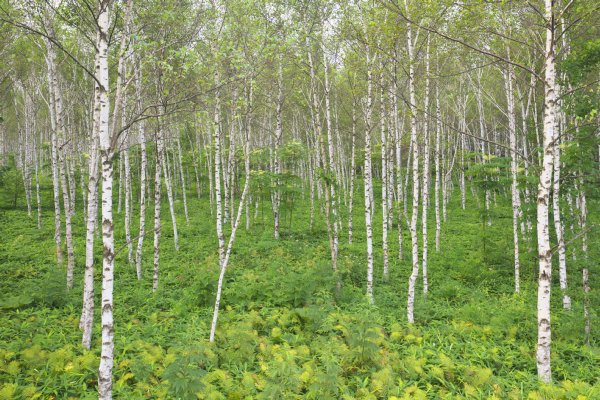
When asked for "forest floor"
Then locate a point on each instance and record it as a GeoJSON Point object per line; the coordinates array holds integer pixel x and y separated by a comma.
{"type": "Point", "coordinates": [285, 332]}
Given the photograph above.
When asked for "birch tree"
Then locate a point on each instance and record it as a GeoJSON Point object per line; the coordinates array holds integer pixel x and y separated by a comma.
{"type": "Point", "coordinates": [415, 172]}
{"type": "Point", "coordinates": [543, 199]}
{"type": "Point", "coordinates": [106, 158]}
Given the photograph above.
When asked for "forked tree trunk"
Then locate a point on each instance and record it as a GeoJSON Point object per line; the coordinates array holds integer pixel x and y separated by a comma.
{"type": "Point", "coordinates": [169, 186]}
{"type": "Point", "coordinates": [225, 260]}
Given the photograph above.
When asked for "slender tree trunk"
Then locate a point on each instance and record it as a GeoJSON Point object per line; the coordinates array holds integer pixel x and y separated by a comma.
{"type": "Point", "coordinates": [71, 181]}
{"type": "Point", "coordinates": [83, 186]}
{"type": "Point", "coordinates": [120, 195]}
{"type": "Point", "coordinates": [367, 175]}
{"type": "Point", "coordinates": [37, 186]}
{"type": "Point", "coordinates": [209, 165]}
{"type": "Point", "coordinates": [352, 172]}
{"type": "Point", "coordinates": [543, 199]}
{"type": "Point", "coordinates": [512, 134]}
{"type": "Point", "coordinates": [482, 133]}
{"type": "Point", "coordinates": [51, 62]}
{"type": "Point", "coordinates": [28, 116]}
{"type": "Point", "coordinates": [463, 199]}
{"type": "Point", "coordinates": [106, 156]}
{"type": "Point", "coordinates": [128, 205]}
{"type": "Point", "coordinates": [217, 172]}
{"type": "Point", "coordinates": [585, 271]}
{"type": "Point", "coordinates": [558, 225]}
{"type": "Point", "coordinates": [332, 169]}
{"type": "Point", "coordinates": [415, 175]}
{"type": "Point", "coordinates": [225, 260]}
{"type": "Point", "coordinates": [438, 135]}
{"type": "Point", "coordinates": [169, 186]}
{"type": "Point", "coordinates": [157, 201]}
{"type": "Point", "coordinates": [87, 313]}
{"type": "Point", "coordinates": [398, 133]}
{"type": "Point", "coordinates": [107, 142]}
{"type": "Point", "coordinates": [277, 156]}
{"type": "Point", "coordinates": [384, 176]}
{"type": "Point", "coordinates": [68, 222]}
{"type": "Point", "coordinates": [144, 164]}
{"type": "Point", "coordinates": [426, 153]}
{"type": "Point", "coordinates": [182, 176]}
{"type": "Point", "coordinates": [63, 172]}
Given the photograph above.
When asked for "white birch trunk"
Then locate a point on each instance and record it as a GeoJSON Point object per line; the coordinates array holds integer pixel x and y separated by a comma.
{"type": "Point", "coordinates": [169, 186]}
{"type": "Point", "coordinates": [182, 176]}
{"type": "Point", "coordinates": [87, 313]}
{"type": "Point", "coordinates": [51, 62]}
{"type": "Point", "coordinates": [543, 237]}
{"type": "Point", "coordinates": [144, 164]}
{"type": "Point", "coordinates": [398, 133]}
{"type": "Point", "coordinates": [120, 195]}
{"type": "Point", "coordinates": [558, 225]}
{"type": "Point", "coordinates": [128, 205]}
{"type": "Point", "coordinates": [426, 155]}
{"type": "Point", "coordinates": [225, 260]}
{"type": "Point", "coordinates": [512, 135]}
{"type": "Point", "coordinates": [217, 172]}
{"type": "Point", "coordinates": [368, 182]}
{"type": "Point", "coordinates": [106, 155]}
{"type": "Point", "coordinates": [277, 157]}
{"type": "Point", "coordinates": [63, 172]}
{"type": "Point", "coordinates": [438, 135]}
{"type": "Point", "coordinates": [415, 175]}
{"type": "Point", "coordinates": [37, 186]}
{"type": "Point", "coordinates": [157, 206]}
{"type": "Point", "coordinates": [352, 172]}
{"type": "Point", "coordinates": [332, 169]}
{"type": "Point", "coordinates": [384, 176]}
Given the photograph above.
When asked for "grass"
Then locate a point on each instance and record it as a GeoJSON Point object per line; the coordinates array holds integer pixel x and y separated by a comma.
{"type": "Point", "coordinates": [284, 330]}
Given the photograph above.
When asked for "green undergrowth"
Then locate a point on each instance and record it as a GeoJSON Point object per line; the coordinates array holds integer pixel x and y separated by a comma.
{"type": "Point", "coordinates": [285, 331]}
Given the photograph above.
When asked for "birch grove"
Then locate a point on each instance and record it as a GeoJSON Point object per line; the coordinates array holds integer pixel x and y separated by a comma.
{"type": "Point", "coordinates": [341, 133]}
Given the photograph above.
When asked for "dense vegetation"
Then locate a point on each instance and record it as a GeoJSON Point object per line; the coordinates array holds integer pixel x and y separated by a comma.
{"type": "Point", "coordinates": [286, 332]}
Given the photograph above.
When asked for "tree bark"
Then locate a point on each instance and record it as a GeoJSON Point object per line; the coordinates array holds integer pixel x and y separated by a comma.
{"type": "Point", "coordinates": [278, 139]}
{"type": "Point", "coordinates": [144, 164]}
{"type": "Point", "coordinates": [106, 156]}
{"type": "Point", "coordinates": [367, 175]}
{"type": "Point", "coordinates": [384, 176]}
{"type": "Point", "coordinates": [544, 252]}
{"type": "Point", "coordinates": [415, 175]}
{"type": "Point", "coordinates": [512, 135]}
{"type": "Point", "coordinates": [426, 155]}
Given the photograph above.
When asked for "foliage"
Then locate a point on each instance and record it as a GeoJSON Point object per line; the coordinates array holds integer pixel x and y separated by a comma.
{"type": "Point", "coordinates": [285, 331]}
